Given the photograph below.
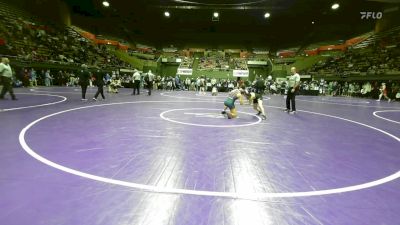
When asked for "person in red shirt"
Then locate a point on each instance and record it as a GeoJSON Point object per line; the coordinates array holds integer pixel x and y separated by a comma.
{"type": "Point", "coordinates": [383, 93]}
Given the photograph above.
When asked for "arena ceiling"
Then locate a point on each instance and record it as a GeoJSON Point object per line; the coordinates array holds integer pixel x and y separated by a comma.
{"type": "Point", "coordinates": [241, 22]}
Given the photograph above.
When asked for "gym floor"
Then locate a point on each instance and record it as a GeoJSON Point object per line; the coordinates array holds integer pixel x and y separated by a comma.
{"type": "Point", "coordinates": [172, 159]}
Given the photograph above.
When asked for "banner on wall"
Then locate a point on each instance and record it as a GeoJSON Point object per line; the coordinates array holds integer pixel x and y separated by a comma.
{"type": "Point", "coordinates": [240, 73]}
{"type": "Point", "coordinates": [254, 62]}
{"type": "Point", "coordinates": [170, 50]}
{"type": "Point", "coordinates": [185, 71]}
{"type": "Point", "coordinates": [260, 52]}
{"type": "Point", "coordinates": [305, 76]}
{"type": "Point", "coordinates": [126, 70]}
{"type": "Point", "coordinates": [301, 77]}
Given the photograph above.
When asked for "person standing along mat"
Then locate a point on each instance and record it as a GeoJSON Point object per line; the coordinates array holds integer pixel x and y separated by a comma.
{"type": "Point", "coordinates": [6, 78]}
{"type": "Point", "coordinates": [99, 82]}
{"type": "Point", "coordinates": [84, 77]}
{"type": "Point", "coordinates": [149, 78]}
{"type": "Point", "coordinates": [384, 93]}
{"type": "Point", "coordinates": [293, 85]}
{"type": "Point", "coordinates": [136, 82]}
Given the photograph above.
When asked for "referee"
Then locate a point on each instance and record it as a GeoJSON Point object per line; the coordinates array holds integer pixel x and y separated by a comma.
{"type": "Point", "coordinates": [136, 82]}
{"type": "Point", "coordinates": [149, 81]}
{"type": "Point", "coordinates": [294, 82]}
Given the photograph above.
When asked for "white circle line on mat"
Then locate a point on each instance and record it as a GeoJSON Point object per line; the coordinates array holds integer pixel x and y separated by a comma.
{"type": "Point", "coordinates": [384, 118]}
{"type": "Point", "coordinates": [35, 106]}
{"type": "Point", "coordinates": [162, 115]}
{"type": "Point", "coordinates": [355, 105]}
{"type": "Point", "coordinates": [259, 196]}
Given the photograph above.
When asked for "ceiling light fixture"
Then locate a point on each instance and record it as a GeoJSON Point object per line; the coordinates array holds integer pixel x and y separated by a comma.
{"type": "Point", "coordinates": [167, 14]}
{"type": "Point", "coordinates": [106, 4]}
{"type": "Point", "coordinates": [267, 15]}
{"type": "Point", "coordinates": [335, 6]}
{"type": "Point", "coordinates": [216, 14]}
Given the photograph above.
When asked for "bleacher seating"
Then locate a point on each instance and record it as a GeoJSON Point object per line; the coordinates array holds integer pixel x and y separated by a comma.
{"type": "Point", "coordinates": [378, 54]}
{"type": "Point", "coordinates": [240, 64]}
{"type": "Point", "coordinates": [214, 63]}
{"type": "Point", "coordinates": [379, 37]}
{"type": "Point", "coordinates": [187, 63]}
{"type": "Point", "coordinates": [29, 40]}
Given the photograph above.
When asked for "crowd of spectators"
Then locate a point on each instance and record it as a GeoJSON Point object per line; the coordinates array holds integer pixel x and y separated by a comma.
{"type": "Point", "coordinates": [28, 41]}
{"type": "Point", "coordinates": [29, 77]}
{"type": "Point", "coordinates": [187, 63]}
{"type": "Point", "coordinates": [381, 56]}
{"type": "Point", "coordinates": [179, 83]}
{"type": "Point", "coordinates": [365, 89]}
{"type": "Point", "coordinates": [240, 64]}
{"type": "Point", "coordinates": [214, 64]}
{"type": "Point", "coordinates": [255, 57]}
{"type": "Point", "coordinates": [374, 61]}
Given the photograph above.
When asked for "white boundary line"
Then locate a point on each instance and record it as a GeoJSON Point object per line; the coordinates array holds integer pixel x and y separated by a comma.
{"type": "Point", "coordinates": [331, 103]}
{"type": "Point", "coordinates": [210, 96]}
{"type": "Point", "coordinates": [208, 125]}
{"type": "Point", "coordinates": [381, 117]}
{"type": "Point", "coordinates": [61, 92]}
{"type": "Point", "coordinates": [221, 97]}
{"type": "Point", "coordinates": [179, 97]}
{"type": "Point", "coordinates": [253, 142]}
{"type": "Point", "coordinates": [336, 100]}
{"type": "Point", "coordinates": [34, 106]}
{"type": "Point", "coordinates": [166, 94]}
{"type": "Point", "coordinates": [247, 196]}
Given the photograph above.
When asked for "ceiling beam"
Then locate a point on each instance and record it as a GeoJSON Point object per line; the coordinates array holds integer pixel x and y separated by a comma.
{"type": "Point", "coordinates": [216, 7]}
{"type": "Point", "coordinates": [385, 1]}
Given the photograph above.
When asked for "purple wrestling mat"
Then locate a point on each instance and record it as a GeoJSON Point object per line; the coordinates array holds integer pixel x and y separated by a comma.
{"type": "Point", "coordinates": [172, 158]}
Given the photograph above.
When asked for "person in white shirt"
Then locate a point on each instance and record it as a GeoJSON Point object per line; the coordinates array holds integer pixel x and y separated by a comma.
{"type": "Point", "coordinates": [115, 84]}
{"type": "Point", "coordinates": [33, 78]}
{"type": "Point", "coordinates": [293, 85]}
{"type": "Point", "coordinates": [214, 90]}
{"type": "Point", "coordinates": [149, 79]}
{"type": "Point", "coordinates": [202, 86]}
{"type": "Point", "coordinates": [366, 89]}
{"type": "Point", "coordinates": [397, 97]}
{"type": "Point", "coordinates": [136, 82]}
{"type": "Point", "coordinates": [47, 78]}
{"type": "Point", "coordinates": [6, 78]}
{"type": "Point", "coordinates": [213, 82]}
{"type": "Point", "coordinates": [187, 83]}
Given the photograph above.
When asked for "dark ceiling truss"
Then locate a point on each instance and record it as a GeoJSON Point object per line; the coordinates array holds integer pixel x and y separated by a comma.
{"type": "Point", "coordinates": [220, 4]}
